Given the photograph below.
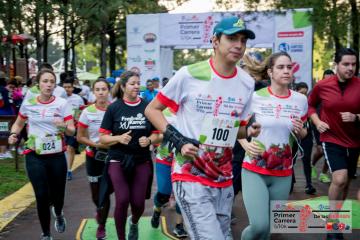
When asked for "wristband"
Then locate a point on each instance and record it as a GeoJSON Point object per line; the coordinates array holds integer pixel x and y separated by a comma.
{"type": "Point", "coordinates": [357, 119]}
{"type": "Point", "coordinates": [12, 133]}
{"type": "Point", "coordinates": [176, 139]}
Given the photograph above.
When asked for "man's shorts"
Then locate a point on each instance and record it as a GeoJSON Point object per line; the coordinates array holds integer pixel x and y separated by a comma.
{"type": "Point", "coordinates": [339, 157]}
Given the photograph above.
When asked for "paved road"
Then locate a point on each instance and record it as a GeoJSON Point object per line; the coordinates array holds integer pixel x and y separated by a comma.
{"type": "Point", "coordinates": [78, 206]}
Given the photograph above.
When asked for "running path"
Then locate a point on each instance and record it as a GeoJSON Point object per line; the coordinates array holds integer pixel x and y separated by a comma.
{"type": "Point", "coordinates": [78, 206]}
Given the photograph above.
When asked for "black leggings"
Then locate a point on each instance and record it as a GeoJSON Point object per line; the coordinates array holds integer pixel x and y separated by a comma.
{"type": "Point", "coordinates": [307, 145]}
{"type": "Point", "coordinates": [47, 174]}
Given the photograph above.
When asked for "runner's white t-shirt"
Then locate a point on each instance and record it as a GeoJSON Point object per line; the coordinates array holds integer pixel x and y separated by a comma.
{"type": "Point", "coordinates": [91, 118]}
{"type": "Point", "coordinates": [41, 116]}
{"type": "Point", "coordinates": [76, 102]}
{"type": "Point", "coordinates": [275, 115]}
{"type": "Point", "coordinates": [59, 92]}
{"type": "Point", "coordinates": [209, 108]}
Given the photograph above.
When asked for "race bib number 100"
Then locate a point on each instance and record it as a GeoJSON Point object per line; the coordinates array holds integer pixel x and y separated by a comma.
{"type": "Point", "coordinates": [219, 132]}
{"type": "Point", "coordinates": [48, 145]}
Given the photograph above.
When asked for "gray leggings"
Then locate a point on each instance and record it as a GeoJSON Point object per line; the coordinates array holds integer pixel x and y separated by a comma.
{"type": "Point", "coordinates": [257, 191]}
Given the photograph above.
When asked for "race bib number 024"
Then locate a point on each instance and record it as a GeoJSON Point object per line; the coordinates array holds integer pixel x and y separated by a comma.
{"type": "Point", "coordinates": [219, 132]}
{"type": "Point", "coordinates": [48, 145]}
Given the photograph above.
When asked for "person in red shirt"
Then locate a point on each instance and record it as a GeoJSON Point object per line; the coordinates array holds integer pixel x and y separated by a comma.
{"type": "Point", "coordinates": [339, 124]}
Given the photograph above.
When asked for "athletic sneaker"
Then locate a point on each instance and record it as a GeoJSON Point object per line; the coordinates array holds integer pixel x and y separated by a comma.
{"type": "Point", "coordinates": [133, 230]}
{"type": "Point", "coordinates": [324, 178]}
{"type": "Point", "coordinates": [69, 175]}
{"type": "Point", "coordinates": [313, 172]}
{"type": "Point", "coordinates": [179, 231]}
{"type": "Point", "coordinates": [60, 221]}
{"type": "Point", "coordinates": [101, 232]}
{"type": "Point", "coordinates": [45, 237]}
{"type": "Point", "coordinates": [334, 236]}
{"type": "Point", "coordinates": [155, 218]}
{"type": "Point", "coordinates": [310, 190]}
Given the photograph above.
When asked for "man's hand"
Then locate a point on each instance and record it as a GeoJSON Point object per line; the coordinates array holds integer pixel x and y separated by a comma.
{"type": "Point", "coordinates": [189, 150]}
{"type": "Point", "coordinates": [322, 126]}
{"type": "Point", "coordinates": [254, 130]}
{"type": "Point", "coordinates": [348, 116]}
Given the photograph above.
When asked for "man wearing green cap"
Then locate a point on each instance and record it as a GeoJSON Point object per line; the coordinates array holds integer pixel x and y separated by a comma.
{"type": "Point", "coordinates": [211, 101]}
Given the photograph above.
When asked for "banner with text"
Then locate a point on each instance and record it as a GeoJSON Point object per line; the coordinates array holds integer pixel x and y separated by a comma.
{"type": "Point", "coordinates": [143, 45]}
{"type": "Point", "coordinates": [294, 36]}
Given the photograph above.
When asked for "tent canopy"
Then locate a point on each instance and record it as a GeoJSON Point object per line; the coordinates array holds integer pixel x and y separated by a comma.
{"type": "Point", "coordinates": [87, 76]}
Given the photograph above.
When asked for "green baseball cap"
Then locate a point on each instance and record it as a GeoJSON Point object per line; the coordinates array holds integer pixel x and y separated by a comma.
{"type": "Point", "coordinates": [232, 25]}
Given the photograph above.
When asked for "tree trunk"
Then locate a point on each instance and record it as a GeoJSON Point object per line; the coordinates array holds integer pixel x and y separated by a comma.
{"type": "Point", "coordinates": [72, 42]}
{"type": "Point", "coordinates": [9, 16]}
{"type": "Point", "coordinates": [66, 48]}
{"type": "Point", "coordinates": [103, 52]}
{"type": "Point", "coordinates": [37, 34]}
{"type": "Point", "coordinates": [46, 33]}
{"type": "Point", "coordinates": [112, 54]}
{"type": "Point", "coordinates": [355, 30]}
{"type": "Point", "coordinates": [333, 26]}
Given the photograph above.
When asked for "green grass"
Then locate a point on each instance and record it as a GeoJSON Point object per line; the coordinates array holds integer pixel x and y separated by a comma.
{"type": "Point", "coordinates": [10, 180]}
{"type": "Point", "coordinates": [145, 230]}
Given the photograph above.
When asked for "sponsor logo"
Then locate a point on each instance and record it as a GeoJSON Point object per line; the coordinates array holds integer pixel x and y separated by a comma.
{"type": "Point", "coordinates": [149, 63]}
{"type": "Point", "coordinates": [295, 67]}
{"type": "Point", "coordinates": [290, 34]}
{"type": "Point", "coordinates": [135, 70]}
{"type": "Point", "coordinates": [284, 47]}
{"type": "Point", "coordinates": [240, 24]}
{"type": "Point", "coordinates": [149, 37]}
{"type": "Point", "coordinates": [293, 47]}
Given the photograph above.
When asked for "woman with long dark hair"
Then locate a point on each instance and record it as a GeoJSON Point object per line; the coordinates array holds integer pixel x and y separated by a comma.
{"type": "Point", "coordinates": [130, 134]}
{"type": "Point", "coordinates": [88, 134]}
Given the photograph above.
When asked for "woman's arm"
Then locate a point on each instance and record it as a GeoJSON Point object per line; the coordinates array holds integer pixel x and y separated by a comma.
{"type": "Point", "coordinates": [16, 129]}
{"type": "Point", "coordinates": [154, 138]}
{"type": "Point", "coordinates": [82, 136]}
{"type": "Point", "coordinates": [109, 140]}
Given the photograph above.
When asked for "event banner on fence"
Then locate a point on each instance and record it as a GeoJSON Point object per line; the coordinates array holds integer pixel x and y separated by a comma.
{"type": "Point", "coordinates": [294, 36]}
{"type": "Point", "coordinates": [196, 29]}
{"type": "Point", "coordinates": [143, 47]}
{"type": "Point", "coordinates": [289, 31]}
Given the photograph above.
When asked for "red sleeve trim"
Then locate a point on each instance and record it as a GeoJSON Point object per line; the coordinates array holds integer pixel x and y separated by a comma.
{"type": "Point", "coordinates": [167, 102]}
{"type": "Point", "coordinates": [243, 123]}
{"type": "Point", "coordinates": [22, 116]}
{"type": "Point", "coordinates": [70, 117]}
{"type": "Point", "coordinates": [105, 131]}
{"type": "Point", "coordinates": [83, 125]}
{"type": "Point", "coordinates": [156, 132]}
